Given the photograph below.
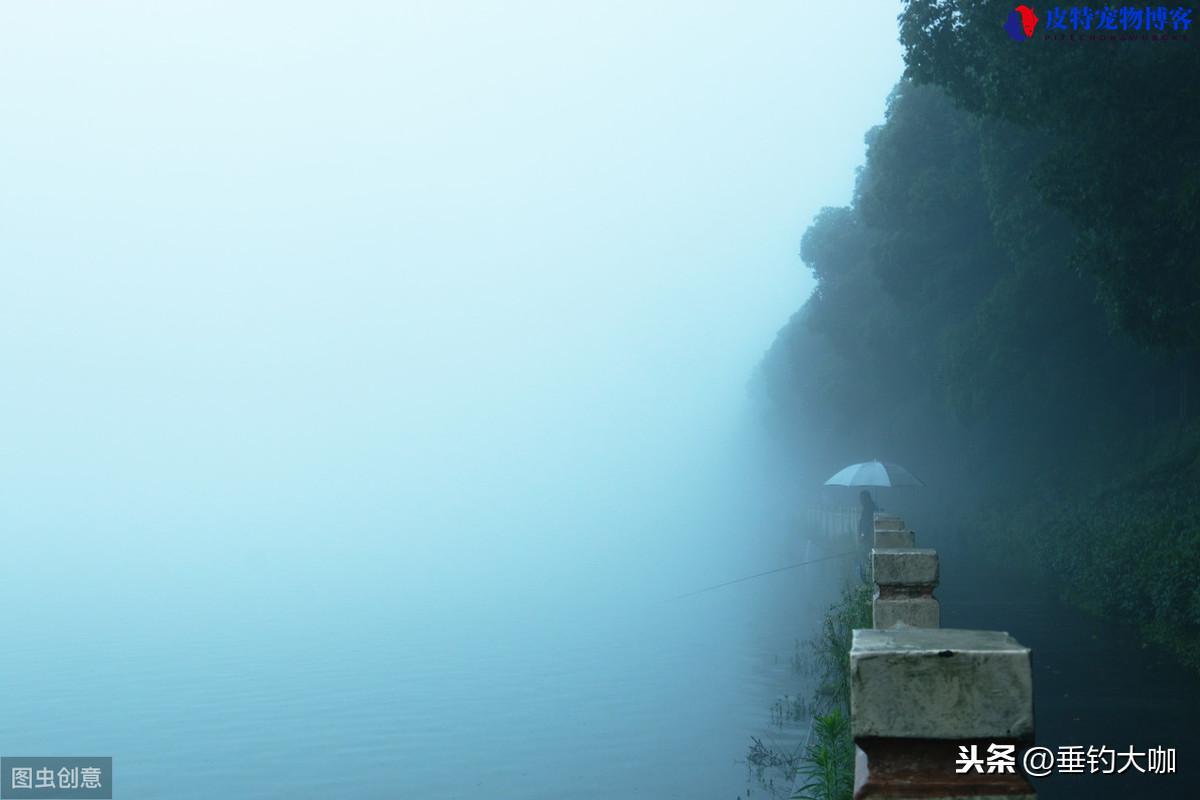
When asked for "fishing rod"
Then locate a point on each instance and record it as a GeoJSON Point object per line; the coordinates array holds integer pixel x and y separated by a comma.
{"type": "Point", "coordinates": [761, 574]}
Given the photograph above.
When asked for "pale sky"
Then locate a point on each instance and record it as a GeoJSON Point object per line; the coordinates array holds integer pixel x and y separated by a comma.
{"type": "Point", "coordinates": [268, 256]}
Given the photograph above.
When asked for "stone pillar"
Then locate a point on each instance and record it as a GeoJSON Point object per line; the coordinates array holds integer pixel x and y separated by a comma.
{"type": "Point", "coordinates": [904, 583]}
{"type": "Point", "coordinates": [891, 539]}
{"type": "Point", "coordinates": [890, 531]}
{"type": "Point", "coordinates": [921, 700]}
{"type": "Point", "coordinates": [888, 522]}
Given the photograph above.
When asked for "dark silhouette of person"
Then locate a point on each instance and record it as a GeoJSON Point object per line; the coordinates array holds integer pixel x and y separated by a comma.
{"type": "Point", "coordinates": [866, 521]}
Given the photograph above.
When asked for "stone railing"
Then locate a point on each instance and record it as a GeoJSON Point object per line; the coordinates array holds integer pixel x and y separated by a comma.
{"type": "Point", "coordinates": [927, 702]}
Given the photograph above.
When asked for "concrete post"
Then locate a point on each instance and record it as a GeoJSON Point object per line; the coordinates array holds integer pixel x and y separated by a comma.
{"type": "Point", "coordinates": [890, 531]}
{"type": "Point", "coordinates": [888, 522]}
{"type": "Point", "coordinates": [904, 583]}
{"type": "Point", "coordinates": [921, 699]}
{"type": "Point", "coordinates": [890, 539]}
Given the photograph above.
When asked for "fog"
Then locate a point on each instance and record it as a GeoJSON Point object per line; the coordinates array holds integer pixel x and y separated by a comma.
{"type": "Point", "coordinates": [364, 353]}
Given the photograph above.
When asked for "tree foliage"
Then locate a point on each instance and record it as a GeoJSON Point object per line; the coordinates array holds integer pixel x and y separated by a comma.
{"type": "Point", "coordinates": [1117, 152]}
{"type": "Point", "coordinates": [950, 331]}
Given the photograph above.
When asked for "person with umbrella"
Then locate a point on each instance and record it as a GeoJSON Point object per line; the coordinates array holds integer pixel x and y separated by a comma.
{"type": "Point", "coordinates": [871, 473]}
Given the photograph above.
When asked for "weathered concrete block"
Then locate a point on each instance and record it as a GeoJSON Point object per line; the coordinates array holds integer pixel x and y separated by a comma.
{"type": "Point", "coordinates": [940, 684]}
{"type": "Point", "coordinates": [888, 522]}
{"type": "Point", "coordinates": [918, 612]}
{"type": "Point", "coordinates": [894, 539]}
{"type": "Point", "coordinates": [910, 566]}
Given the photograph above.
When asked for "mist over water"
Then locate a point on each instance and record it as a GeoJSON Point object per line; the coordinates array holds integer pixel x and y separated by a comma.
{"type": "Point", "coordinates": [376, 378]}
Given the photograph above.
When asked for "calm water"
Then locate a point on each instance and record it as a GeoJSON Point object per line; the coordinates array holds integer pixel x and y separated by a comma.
{"type": "Point", "coordinates": [285, 655]}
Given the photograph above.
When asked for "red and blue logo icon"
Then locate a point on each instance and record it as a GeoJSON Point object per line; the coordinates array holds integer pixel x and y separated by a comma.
{"type": "Point", "coordinates": [1021, 23]}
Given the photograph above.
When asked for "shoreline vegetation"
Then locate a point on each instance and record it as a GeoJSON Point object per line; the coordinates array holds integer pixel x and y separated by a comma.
{"type": "Point", "coordinates": [1010, 306]}
{"type": "Point", "coordinates": [1128, 549]}
{"type": "Point", "coordinates": [822, 766]}
{"type": "Point", "coordinates": [964, 324]}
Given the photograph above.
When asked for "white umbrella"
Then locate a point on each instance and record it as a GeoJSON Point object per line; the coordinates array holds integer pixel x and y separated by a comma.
{"type": "Point", "coordinates": [874, 473]}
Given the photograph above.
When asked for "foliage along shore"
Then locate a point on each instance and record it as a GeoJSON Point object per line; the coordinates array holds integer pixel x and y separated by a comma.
{"type": "Point", "coordinates": [1011, 306]}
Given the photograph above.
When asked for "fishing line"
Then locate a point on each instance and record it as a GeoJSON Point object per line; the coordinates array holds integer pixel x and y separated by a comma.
{"type": "Point", "coordinates": [760, 574]}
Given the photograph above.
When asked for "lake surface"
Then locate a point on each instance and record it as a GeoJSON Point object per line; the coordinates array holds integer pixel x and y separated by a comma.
{"type": "Point", "coordinates": [271, 652]}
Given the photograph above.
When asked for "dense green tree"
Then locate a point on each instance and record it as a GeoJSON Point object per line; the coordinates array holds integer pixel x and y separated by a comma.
{"type": "Point", "coordinates": [949, 331]}
{"type": "Point", "coordinates": [1119, 151]}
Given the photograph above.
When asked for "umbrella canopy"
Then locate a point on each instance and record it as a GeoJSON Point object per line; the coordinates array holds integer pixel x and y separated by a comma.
{"type": "Point", "coordinates": [874, 473]}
